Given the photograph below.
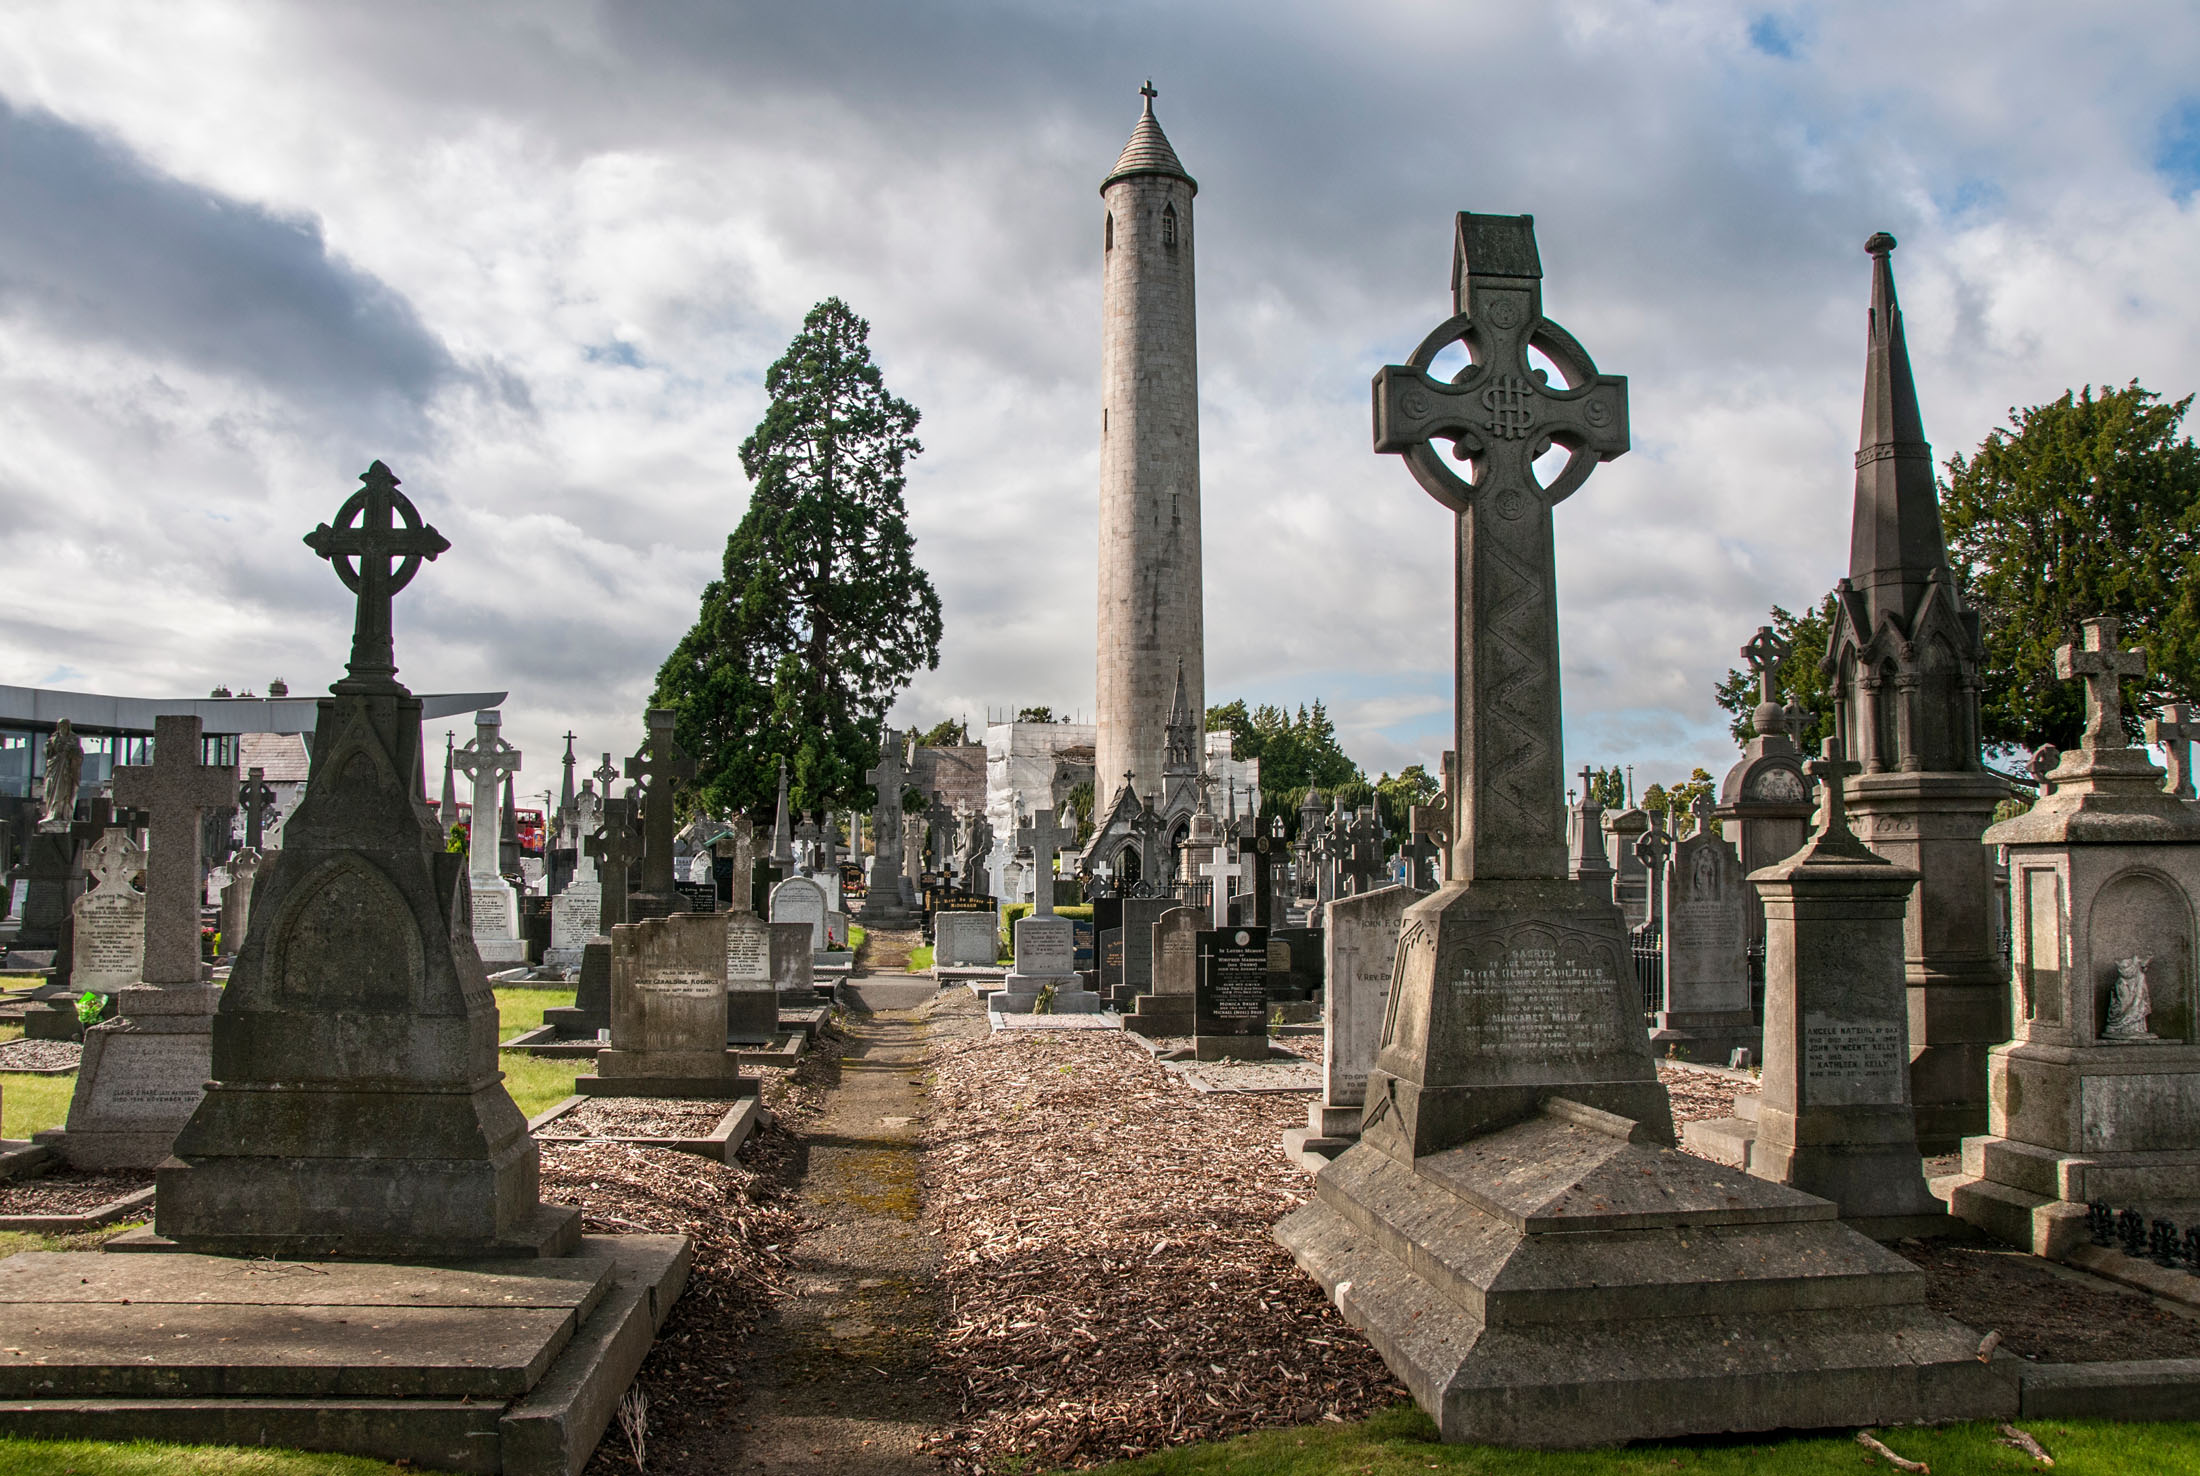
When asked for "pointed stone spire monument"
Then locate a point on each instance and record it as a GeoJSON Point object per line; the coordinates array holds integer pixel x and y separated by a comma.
{"type": "Point", "coordinates": [1511, 1230]}
{"type": "Point", "coordinates": [1151, 608]}
{"type": "Point", "coordinates": [356, 1107]}
{"type": "Point", "coordinates": [1904, 655]}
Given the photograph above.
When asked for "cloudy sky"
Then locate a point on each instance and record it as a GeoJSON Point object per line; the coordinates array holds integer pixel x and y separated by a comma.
{"type": "Point", "coordinates": [538, 255]}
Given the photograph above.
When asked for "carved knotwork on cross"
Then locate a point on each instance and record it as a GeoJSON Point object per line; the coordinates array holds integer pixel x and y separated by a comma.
{"type": "Point", "coordinates": [114, 861]}
{"type": "Point", "coordinates": [2173, 730]}
{"type": "Point", "coordinates": [1500, 413]}
{"type": "Point", "coordinates": [375, 545]}
{"type": "Point", "coordinates": [2103, 665]}
{"type": "Point", "coordinates": [1766, 653]}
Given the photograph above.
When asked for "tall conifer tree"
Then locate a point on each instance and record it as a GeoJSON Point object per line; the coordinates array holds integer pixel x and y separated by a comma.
{"type": "Point", "coordinates": [821, 615]}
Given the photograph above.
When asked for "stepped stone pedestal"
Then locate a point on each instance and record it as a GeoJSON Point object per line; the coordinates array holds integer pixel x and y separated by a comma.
{"type": "Point", "coordinates": [668, 1013]}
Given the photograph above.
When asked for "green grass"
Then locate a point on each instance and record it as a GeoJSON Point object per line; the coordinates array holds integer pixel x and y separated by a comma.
{"type": "Point", "coordinates": [920, 958]}
{"type": "Point", "coordinates": [856, 936]}
{"type": "Point", "coordinates": [1402, 1440]}
{"type": "Point", "coordinates": [144, 1458]}
{"type": "Point", "coordinates": [31, 1104]}
{"type": "Point", "coordinates": [521, 1009]}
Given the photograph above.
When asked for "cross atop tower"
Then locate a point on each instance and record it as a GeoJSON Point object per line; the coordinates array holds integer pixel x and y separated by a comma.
{"type": "Point", "coordinates": [376, 545]}
{"type": "Point", "coordinates": [2103, 665]}
{"type": "Point", "coordinates": [1147, 92]}
{"type": "Point", "coordinates": [1499, 414]}
{"type": "Point", "coordinates": [175, 791]}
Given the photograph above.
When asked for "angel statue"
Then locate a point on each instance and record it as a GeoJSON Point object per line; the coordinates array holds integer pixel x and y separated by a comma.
{"type": "Point", "coordinates": [64, 771]}
{"type": "Point", "coordinates": [2128, 1002]}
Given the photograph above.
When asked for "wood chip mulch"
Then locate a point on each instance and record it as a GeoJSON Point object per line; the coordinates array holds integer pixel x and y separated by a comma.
{"type": "Point", "coordinates": [1112, 1285]}
{"type": "Point", "coordinates": [1698, 1094]}
{"type": "Point", "coordinates": [2043, 1313]}
{"type": "Point", "coordinates": [68, 1192]}
{"type": "Point", "coordinates": [640, 1117]}
{"type": "Point", "coordinates": [40, 1055]}
{"type": "Point", "coordinates": [743, 1219]}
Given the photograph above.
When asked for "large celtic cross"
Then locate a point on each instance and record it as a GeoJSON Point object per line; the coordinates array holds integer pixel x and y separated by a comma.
{"type": "Point", "coordinates": [1500, 413]}
{"type": "Point", "coordinates": [486, 760]}
{"type": "Point", "coordinates": [614, 848]}
{"type": "Point", "coordinates": [376, 545]}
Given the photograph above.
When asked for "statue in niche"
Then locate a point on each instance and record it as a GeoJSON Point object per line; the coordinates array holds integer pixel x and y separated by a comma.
{"type": "Point", "coordinates": [2129, 1002]}
{"type": "Point", "coordinates": [1705, 881]}
{"type": "Point", "coordinates": [64, 771]}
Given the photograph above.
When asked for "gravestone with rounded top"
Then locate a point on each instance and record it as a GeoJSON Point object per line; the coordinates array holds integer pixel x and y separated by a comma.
{"type": "Point", "coordinates": [1707, 1014]}
{"type": "Point", "coordinates": [356, 1108]}
{"type": "Point", "coordinates": [798, 899]}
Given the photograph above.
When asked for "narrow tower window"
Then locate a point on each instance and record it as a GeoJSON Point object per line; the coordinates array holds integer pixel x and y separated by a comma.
{"type": "Point", "coordinates": [1168, 225]}
{"type": "Point", "coordinates": [1111, 231]}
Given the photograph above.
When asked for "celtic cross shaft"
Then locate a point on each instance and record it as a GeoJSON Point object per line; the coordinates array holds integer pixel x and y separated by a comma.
{"type": "Point", "coordinates": [486, 760]}
{"type": "Point", "coordinates": [375, 545]}
{"type": "Point", "coordinates": [1500, 413]}
{"type": "Point", "coordinates": [660, 766]}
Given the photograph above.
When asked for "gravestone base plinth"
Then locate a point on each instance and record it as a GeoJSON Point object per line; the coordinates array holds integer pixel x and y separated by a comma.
{"type": "Point", "coordinates": [1233, 1048]}
{"type": "Point", "coordinates": [1565, 1281]}
{"type": "Point", "coordinates": [1161, 1016]}
{"type": "Point", "coordinates": [705, 1075]}
{"type": "Point", "coordinates": [1328, 1132]}
{"type": "Point", "coordinates": [1705, 1037]}
{"type": "Point", "coordinates": [1019, 995]}
{"type": "Point", "coordinates": [141, 1077]}
{"type": "Point", "coordinates": [590, 1010]}
{"type": "Point", "coordinates": [52, 1019]}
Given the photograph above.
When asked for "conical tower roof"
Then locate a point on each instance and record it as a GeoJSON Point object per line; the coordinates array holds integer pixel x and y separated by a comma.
{"type": "Point", "coordinates": [1148, 152]}
{"type": "Point", "coordinates": [1895, 542]}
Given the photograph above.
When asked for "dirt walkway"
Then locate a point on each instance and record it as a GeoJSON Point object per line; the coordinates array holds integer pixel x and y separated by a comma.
{"type": "Point", "coordinates": [839, 1378]}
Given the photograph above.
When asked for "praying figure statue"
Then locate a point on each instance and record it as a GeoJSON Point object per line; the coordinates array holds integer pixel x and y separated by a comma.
{"type": "Point", "coordinates": [64, 771]}
{"type": "Point", "coordinates": [2128, 1002]}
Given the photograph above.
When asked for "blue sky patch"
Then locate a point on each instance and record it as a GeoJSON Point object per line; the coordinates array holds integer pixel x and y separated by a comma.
{"type": "Point", "coordinates": [2177, 157]}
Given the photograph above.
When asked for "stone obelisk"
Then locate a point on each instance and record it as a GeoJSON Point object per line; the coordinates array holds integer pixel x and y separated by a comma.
{"type": "Point", "coordinates": [1151, 616]}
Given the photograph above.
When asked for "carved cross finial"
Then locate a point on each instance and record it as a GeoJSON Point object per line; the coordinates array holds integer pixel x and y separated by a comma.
{"type": "Point", "coordinates": [1147, 92]}
{"type": "Point", "coordinates": [661, 765]}
{"type": "Point", "coordinates": [255, 797]}
{"type": "Point", "coordinates": [615, 848]}
{"type": "Point", "coordinates": [1829, 769]}
{"type": "Point", "coordinates": [1766, 653]}
{"type": "Point", "coordinates": [605, 773]}
{"type": "Point", "coordinates": [2174, 729]}
{"type": "Point", "coordinates": [113, 861]}
{"type": "Point", "coordinates": [489, 761]}
{"type": "Point", "coordinates": [2103, 665]}
{"type": "Point", "coordinates": [375, 545]}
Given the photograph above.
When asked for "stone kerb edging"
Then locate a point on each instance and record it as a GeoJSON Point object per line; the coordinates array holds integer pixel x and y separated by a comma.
{"type": "Point", "coordinates": [91, 1219]}
{"type": "Point", "coordinates": [741, 1119]}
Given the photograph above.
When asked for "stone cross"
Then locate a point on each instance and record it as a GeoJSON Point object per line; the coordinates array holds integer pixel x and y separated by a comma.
{"type": "Point", "coordinates": [1651, 849]}
{"type": "Point", "coordinates": [605, 772]}
{"type": "Point", "coordinates": [175, 791]}
{"type": "Point", "coordinates": [614, 850]}
{"type": "Point", "coordinates": [1434, 821]}
{"type": "Point", "coordinates": [1220, 873]}
{"type": "Point", "coordinates": [661, 764]}
{"type": "Point", "coordinates": [565, 796]}
{"type": "Point", "coordinates": [1830, 769]}
{"type": "Point", "coordinates": [887, 778]}
{"type": "Point", "coordinates": [1044, 836]}
{"type": "Point", "coordinates": [940, 822]}
{"type": "Point", "coordinates": [375, 545]}
{"type": "Point", "coordinates": [113, 861]}
{"type": "Point", "coordinates": [782, 832]}
{"type": "Point", "coordinates": [1499, 414]}
{"type": "Point", "coordinates": [1766, 653]}
{"type": "Point", "coordinates": [487, 759]}
{"type": "Point", "coordinates": [2103, 665]}
{"type": "Point", "coordinates": [255, 798]}
{"type": "Point", "coordinates": [2173, 730]}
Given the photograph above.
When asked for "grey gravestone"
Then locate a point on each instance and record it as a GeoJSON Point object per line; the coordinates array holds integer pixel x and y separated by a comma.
{"type": "Point", "coordinates": [1230, 994]}
{"type": "Point", "coordinates": [1834, 1118]}
{"type": "Point", "coordinates": [243, 869]}
{"type": "Point", "coordinates": [965, 940]}
{"type": "Point", "coordinates": [2097, 1097]}
{"type": "Point", "coordinates": [1707, 1014]}
{"type": "Point", "coordinates": [1139, 916]}
{"type": "Point", "coordinates": [662, 767]}
{"type": "Point", "coordinates": [1298, 962]}
{"type": "Point", "coordinates": [576, 913]}
{"type": "Point", "coordinates": [1361, 940]}
{"type": "Point", "coordinates": [611, 851]}
{"type": "Point", "coordinates": [143, 1073]}
{"type": "Point", "coordinates": [488, 761]}
{"type": "Point", "coordinates": [109, 951]}
{"type": "Point", "coordinates": [1046, 957]}
{"type": "Point", "coordinates": [793, 964]}
{"type": "Point", "coordinates": [1764, 801]}
{"type": "Point", "coordinates": [1166, 1010]}
{"type": "Point", "coordinates": [668, 1013]}
{"type": "Point", "coordinates": [356, 1107]}
{"type": "Point", "coordinates": [1514, 1094]}
{"type": "Point", "coordinates": [752, 996]}
{"type": "Point", "coordinates": [798, 899]}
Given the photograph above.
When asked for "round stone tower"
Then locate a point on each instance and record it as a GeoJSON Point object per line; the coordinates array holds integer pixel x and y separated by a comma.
{"type": "Point", "coordinates": [1151, 625]}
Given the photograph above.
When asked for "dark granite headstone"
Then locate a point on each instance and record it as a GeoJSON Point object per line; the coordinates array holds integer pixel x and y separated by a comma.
{"type": "Point", "coordinates": [1111, 961]}
{"type": "Point", "coordinates": [1300, 952]}
{"type": "Point", "coordinates": [1230, 1010]}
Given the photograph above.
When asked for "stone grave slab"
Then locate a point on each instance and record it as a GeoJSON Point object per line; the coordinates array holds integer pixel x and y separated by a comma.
{"type": "Point", "coordinates": [1707, 1014]}
{"type": "Point", "coordinates": [668, 1013]}
{"type": "Point", "coordinates": [798, 899]}
{"type": "Point", "coordinates": [794, 976]}
{"type": "Point", "coordinates": [966, 940]}
{"type": "Point", "coordinates": [1139, 916]}
{"type": "Point", "coordinates": [1361, 939]}
{"type": "Point", "coordinates": [752, 998]}
{"type": "Point", "coordinates": [109, 950]}
{"type": "Point", "coordinates": [1166, 1008]}
{"type": "Point", "coordinates": [576, 913]}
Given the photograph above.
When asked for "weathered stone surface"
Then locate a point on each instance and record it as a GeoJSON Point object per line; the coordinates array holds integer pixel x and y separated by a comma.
{"type": "Point", "coordinates": [1707, 1011]}
{"type": "Point", "coordinates": [356, 1107]}
{"type": "Point", "coordinates": [489, 761]}
{"type": "Point", "coordinates": [962, 940]}
{"type": "Point", "coordinates": [1361, 935]}
{"type": "Point", "coordinates": [794, 963]}
{"type": "Point", "coordinates": [798, 899]}
{"type": "Point", "coordinates": [108, 951]}
{"type": "Point", "coordinates": [752, 999]}
{"type": "Point", "coordinates": [668, 1012]}
{"type": "Point", "coordinates": [2098, 1095]}
{"type": "Point", "coordinates": [1166, 1010]}
{"type": "Point", "coordinates": [1139, 916]}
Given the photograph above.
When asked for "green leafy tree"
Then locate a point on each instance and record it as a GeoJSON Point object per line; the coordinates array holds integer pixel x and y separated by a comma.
{"type": "Point", "coordinates": [1800, 682]}
{"type": "Point", "coordinates": [1080, 805]}
{"type": "Point", "coordinates": [952, 733]}
{"type": "Point", "coordinates": [820, 615]}
{"type": "Point", "coordinates": [1034, 714]}
{"type": "Point", "coordinates": [2086, 506]}
{"type": "Point", "coordinates": [1608, 787]}
{"type": "Point", "coordinates": [1677, 800]}
{"type": "Point", "coordinates": [1396, 798]}
{"type": "Point", "coordinates": [1246, 741]}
